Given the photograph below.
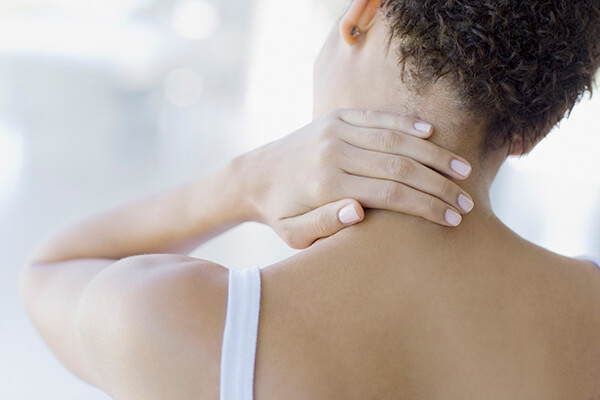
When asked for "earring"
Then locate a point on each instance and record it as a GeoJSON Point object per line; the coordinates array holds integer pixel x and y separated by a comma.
{"type": "Point", "coordinates": [355, 32]}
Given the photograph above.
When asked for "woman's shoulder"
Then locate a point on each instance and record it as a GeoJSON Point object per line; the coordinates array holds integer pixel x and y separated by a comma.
{"type": "Point", "coordinates": [154, 327]}
{"type": "Point", "coordinates": [594, 260]}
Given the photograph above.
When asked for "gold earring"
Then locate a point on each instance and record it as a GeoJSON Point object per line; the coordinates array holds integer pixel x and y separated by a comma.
{"type": "Point", "coordinates": [355, 32]}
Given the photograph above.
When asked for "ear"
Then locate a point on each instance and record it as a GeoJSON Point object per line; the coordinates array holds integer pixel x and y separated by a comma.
{"type": "Point", "coordinates": [516, 147]}
{"type": "Point", "coordinates": [361, 14]}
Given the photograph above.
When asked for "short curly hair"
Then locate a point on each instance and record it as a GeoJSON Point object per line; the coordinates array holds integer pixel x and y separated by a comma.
{"type": "Point", "coordinates": [521, 65]}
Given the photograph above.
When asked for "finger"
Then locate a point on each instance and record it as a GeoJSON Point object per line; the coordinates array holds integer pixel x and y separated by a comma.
{"type": "Point", "coordinates": [372, 164]}
{"type": "Point", "coordinates": [382, 120]}
{"type": "Point", "coordinates": [302, 231]}
{"type": "Point", "coordinates": [420, 150]}
{"type": "Point", "coordinates": [394, 196]}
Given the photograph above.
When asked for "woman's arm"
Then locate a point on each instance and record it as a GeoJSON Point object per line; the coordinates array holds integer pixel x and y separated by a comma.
{"type": "Point", "coordinates": [58, 278]}
{"type": "Point", "coordinates": [176, 220]}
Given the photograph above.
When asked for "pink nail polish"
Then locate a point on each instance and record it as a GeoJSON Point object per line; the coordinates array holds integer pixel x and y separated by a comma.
{"type": "Point", "coordinates": [465, 203]}
{"type": "Point", "coordinates": [453, 218]}
{"type": "Point", "coordinates": [460, 167]}
{"type": "Point", "coordinates": [423, 127]}
{"type": "Point", "coordinates": [348, 215]}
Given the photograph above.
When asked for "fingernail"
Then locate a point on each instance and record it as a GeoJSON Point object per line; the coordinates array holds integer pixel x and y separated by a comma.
{"type": "Point", "coordinates": [348, 215]}
{"type": "Point", "coordinates": [423, 127]}
{"type": "Point", "coordinates": [465, 203]}
{"type": "Point", "coordinates": [460, 167]}
{"type": "Point", "coordinates": [453, 218]}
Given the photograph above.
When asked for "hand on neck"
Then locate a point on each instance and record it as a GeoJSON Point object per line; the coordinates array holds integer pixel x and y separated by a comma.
{"type": "Point", "coordinates": [359, 73]}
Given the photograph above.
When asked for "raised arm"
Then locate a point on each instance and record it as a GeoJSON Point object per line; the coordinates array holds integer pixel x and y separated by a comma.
{"type": "Point", "coordinates": [297, 185]}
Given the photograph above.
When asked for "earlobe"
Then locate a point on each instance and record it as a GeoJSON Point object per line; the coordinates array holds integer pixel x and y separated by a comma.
{"type": "Point", "coordinates": [520, 147]}
{"type": "Point", "coordinates": [516, 147]}
{"type": "Point", "coordinates": [358, 19]}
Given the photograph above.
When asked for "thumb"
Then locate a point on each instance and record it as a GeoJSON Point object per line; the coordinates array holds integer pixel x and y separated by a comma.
{"type": "Point", "coordinates": [302, 231]}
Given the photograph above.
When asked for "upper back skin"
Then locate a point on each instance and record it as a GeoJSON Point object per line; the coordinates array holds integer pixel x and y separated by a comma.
{"type": "Point", "coordinates": [376, 313]}
{"type": "Point", "coordinates": [392, 308]}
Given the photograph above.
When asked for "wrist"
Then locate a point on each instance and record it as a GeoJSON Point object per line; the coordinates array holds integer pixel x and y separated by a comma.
{"type": "Point", "coordinates": [238, 172]}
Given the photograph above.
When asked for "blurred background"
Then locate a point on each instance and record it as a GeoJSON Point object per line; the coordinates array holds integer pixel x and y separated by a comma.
{"type": "Point", "coordinates": [105, 102]}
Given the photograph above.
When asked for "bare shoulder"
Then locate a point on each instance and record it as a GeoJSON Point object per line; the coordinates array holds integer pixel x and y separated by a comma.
{"type": "Point", "coordinates": [573, 283]}
{"type": "Point", "coordinates": [151, 327]}
{"type": "Point", "coordinates": [581, 274]}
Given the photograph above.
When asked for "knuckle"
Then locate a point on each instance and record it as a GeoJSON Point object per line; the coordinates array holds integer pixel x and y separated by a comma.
{"type": "Point", "coordinates": [339, 114]}
{"type": "Point", "coordinates": [327, 152]}
{"type": "Point", "coordinates": [448, 189]}
{"type": "Point", "coordinates": [331, 126]}
{"type": "Point", "coordinates": [340, 111]}
{"type": "Point", "coordinates": [388, 141]}
{"type": "Point", "coordinates": [433, 209]}
{"type": "Point", "coordinates": [438, 154]}
{"type": "Point", "coordinates": [319, 225]}
{"type": "Point", "coordinates": [296, 243]}
{"type": "Point", "coordinates": [391, 194]}
{"type": "Point", "coordinates": [334, 114]}
{"type": "Point", "coordinates": [321, 188]}
{"type": "Point", "coordinates": [291, 236]}
{"type": "Point", "coordinates": [286, 234]}
{"type": "Point", "coordinates": [368, 115]}
{"type": "Point", "coordinates": [327, 129]}
{"type": "Point", "coordinates": [402, 121]}
{"type": "Point", "coordinates": [400, 167]}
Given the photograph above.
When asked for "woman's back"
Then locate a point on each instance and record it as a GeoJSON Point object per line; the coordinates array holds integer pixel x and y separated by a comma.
{"type": "Point", "coordinates": [422, 312]}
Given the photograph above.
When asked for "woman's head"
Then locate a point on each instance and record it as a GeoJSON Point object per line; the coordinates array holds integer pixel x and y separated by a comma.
{"type": "Point", "coordinates": [513, 68]}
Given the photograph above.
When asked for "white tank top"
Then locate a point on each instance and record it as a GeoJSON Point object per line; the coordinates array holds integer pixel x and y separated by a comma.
{"type": "Point", "coordinates": [238, 353]}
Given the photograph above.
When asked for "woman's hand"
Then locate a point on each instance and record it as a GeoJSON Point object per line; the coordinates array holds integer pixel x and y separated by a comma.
{"type": "Point", "coordinates": [312, 183]}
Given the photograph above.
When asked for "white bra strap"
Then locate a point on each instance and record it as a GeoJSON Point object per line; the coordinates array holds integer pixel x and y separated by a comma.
{"type": "Point", "coordinates": [238, 353]}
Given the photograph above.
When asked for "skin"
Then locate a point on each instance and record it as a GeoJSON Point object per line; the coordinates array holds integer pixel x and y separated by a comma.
{"type": "Point", "coordinates": [395, 307]}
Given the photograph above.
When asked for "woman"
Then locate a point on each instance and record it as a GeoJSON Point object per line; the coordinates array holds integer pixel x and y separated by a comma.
{"type": "Point", "coordinates": [394, 307]}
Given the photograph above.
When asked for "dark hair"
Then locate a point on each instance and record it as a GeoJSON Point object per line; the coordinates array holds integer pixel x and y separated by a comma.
{"type": "Point", "coordinates": [520, 64]}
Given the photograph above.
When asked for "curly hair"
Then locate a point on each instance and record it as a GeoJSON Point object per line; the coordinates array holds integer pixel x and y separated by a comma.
{"type": "Point", "coordinates": [521, 65]}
